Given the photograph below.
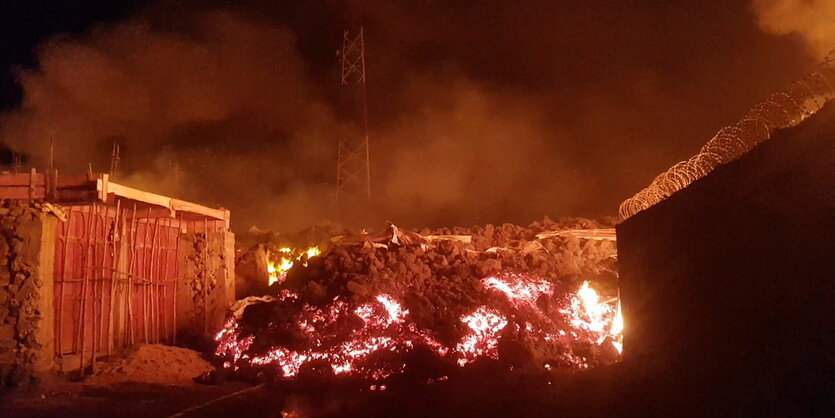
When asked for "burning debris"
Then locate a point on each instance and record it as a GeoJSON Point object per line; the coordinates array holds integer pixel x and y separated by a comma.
{"type": "Point", "coordinates": [281, 261]}
{"type": "Point", "coordinates": [373, 306]}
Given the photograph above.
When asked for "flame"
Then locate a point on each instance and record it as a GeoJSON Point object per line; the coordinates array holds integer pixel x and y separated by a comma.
{"type": "Point", "coordinates": [595, 311]}
{"type": "Point", "coordinates": [280, 262]}
{"type": "Point", "coordinates": [617, 330]}
{"type": "Point", "coordinates": [313, 252]}
{"type": "Point", "coordinates": [600, 319]}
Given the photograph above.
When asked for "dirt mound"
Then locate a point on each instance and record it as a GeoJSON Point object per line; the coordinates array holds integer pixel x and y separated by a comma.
{"type": "Point", "coordinates": [152, 363]}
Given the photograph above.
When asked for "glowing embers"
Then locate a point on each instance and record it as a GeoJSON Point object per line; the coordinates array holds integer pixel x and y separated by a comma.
{"type": "Point", "coordinates": [519, 289]}
{"type": "Point", "coordinates": [230, 345]}
{"type": "Point", "coordinates": [281, 261]}
{"type": "Point", "coordinates": [369, 339]}
{"type": "Point", "coordinates": [395, 312]}
{"type": "Point", "coordinates": [383, 329]}
{"type": "Point", "coordinates": [482, 340]}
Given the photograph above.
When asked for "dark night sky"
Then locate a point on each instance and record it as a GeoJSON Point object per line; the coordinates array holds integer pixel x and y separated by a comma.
{"type": "Point", "coordinates": [25, 23]}
{"type": "Point", "coordinates": [489, 110]}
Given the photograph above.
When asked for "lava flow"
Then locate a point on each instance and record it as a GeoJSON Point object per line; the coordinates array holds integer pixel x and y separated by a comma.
{"type": "Point", "coordinates": [368, 339]}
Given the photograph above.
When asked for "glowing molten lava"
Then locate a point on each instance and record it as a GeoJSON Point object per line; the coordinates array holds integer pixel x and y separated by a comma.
{"type": "Point", "coordinates": [367, 339]}
{"type": "Point", "coordinates": [482, 340]}
{"type": "Point", "coordinates": [519, 289]}
{"type": "Point", "coordinates": [383, 329]}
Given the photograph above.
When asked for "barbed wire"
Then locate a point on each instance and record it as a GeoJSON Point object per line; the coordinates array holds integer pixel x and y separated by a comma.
{"type": "Point", "coordinates": [802, 99]}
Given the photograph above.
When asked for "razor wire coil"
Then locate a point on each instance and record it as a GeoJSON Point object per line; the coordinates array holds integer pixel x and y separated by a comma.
{"type": "Point", "coordinates": [787, 108]}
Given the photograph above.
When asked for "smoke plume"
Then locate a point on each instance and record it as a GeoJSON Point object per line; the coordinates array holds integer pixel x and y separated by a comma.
{"type": "Point", "coordinates": [812, 20]}
{"type": "Point", "coordinates": [504, 115]}
{"type": "Point", "coordinates": [225, 114]}
{"type": "Point", "coordinates": [212, 113]}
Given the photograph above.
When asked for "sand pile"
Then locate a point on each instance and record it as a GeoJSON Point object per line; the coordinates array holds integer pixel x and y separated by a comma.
{"type": "Point", "coordinates": [152, 363]}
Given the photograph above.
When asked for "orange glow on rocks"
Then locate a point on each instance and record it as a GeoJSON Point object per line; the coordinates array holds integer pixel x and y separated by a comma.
{"type": "Point", "coordinates": [352, 338]}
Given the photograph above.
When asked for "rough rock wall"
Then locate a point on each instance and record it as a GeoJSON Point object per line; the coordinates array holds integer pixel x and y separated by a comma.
{"type": "Point", "coordinates": [27, 235]}
{"type": "Point", "coordinates": [207, 283]}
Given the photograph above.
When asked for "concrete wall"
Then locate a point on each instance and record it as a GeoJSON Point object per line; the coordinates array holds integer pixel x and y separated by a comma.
{"type": "Point", "coordinates": [207, 282]}
{"type": "Point", "coordinates": [728, 287]}
{"type": "Point", "coordinates": [27, 236]}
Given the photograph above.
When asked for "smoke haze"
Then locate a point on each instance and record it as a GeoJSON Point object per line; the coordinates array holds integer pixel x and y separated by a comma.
{"type": "Point", "coordinates": [479, 112]}
{"type": "Point", "coordinates": [812, 20]}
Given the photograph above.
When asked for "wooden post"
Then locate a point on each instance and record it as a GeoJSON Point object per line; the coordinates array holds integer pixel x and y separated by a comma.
{"type": "Point", "coordinates": [164, 249]}
{"type": "Point", "coordinates": [49, 186]}
{"type": "Point", "coordinates": [59, 312]}
{"type": "Point", "coordinates": [117, 238]}
{"type": "Point", "coordinates": [98, 282]}
{"type": "Point", "coordinates": [94, 292]}
{"type": "Point", "coordinates": [145, 279]}
{"type": "Point", "coordinates": [129, 301]}
{"type": "Point", "coordinates": [176, 275]}
{"type": "Point", "coordinates": [146, 271]}
{"type": "Point", "coordinates": [152, 280]}
{"type": "Point", "coordinates": [83, 324]}
{"type": "Point", "coordinates": [206, 277]}
{"type": "Point", "coordinates": [32, 174]}
{"type": "Point", "coordinates": [52, 190]}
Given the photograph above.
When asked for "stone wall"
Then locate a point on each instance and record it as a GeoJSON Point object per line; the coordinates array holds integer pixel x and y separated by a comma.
{"type": "Point", "coordinates": [27, 236]}
{"type": "Point", "coordinates": [207, 281]}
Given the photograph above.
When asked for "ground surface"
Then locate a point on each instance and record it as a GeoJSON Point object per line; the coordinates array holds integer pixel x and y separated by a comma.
{"type": "Point", "coordinates": [595, 393]}
{"type": "Point", "coordinates": [117, 400]}
{"type": "Point", "coordinates": [605, 392]}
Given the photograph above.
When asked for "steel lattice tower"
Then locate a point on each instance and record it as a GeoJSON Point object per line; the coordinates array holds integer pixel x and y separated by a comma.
{"type": "Point", "coordinates": [353, 176]}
